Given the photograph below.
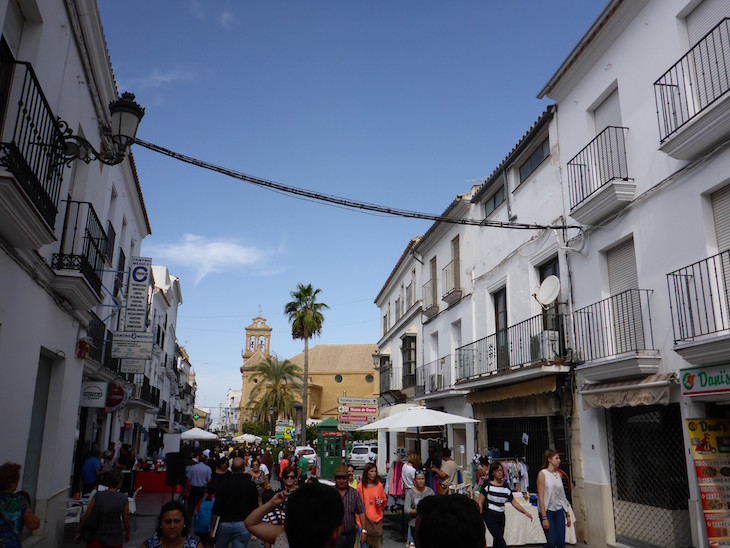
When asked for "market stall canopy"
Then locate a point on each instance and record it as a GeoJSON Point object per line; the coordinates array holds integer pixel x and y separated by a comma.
{"type": "Point", "coordinates": [198, 434]}
{"type": "Point", "coordinates": [416, 417]}
{"type": "Point", "coordinates": [247, 438]}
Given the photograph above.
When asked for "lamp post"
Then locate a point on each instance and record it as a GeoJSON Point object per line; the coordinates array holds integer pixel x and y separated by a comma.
{"type": "Point", "coordinates": [125, 117]}
{"type": "Point", "coordinates": [376, 360]}
{"type": "Point", "coordinates": [271, 420]}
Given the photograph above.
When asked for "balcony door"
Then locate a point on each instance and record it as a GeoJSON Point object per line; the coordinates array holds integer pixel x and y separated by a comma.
{"type": "Point", "coordinates": [625, 309]}
{"type": "Point", "coordinates": [502, 335]}
{"type": "Point", "coordinates": [611, 157]}
{"type": "Point", "coordinates": [721, 217]}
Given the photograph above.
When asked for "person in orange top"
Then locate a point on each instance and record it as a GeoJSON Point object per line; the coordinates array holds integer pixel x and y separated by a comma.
{"type": "Point", "coordinates": [373, 495]}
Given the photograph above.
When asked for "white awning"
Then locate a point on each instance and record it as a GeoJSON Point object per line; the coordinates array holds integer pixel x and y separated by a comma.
{"type": "Point", "coordinates": [651, 390]}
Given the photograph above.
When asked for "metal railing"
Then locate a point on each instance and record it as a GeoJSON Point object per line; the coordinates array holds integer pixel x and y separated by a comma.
{"type": "Point", "coordinates": [32, 145]}
{"type": "Point", "coordinates": [614, 326]}
{"type": "Point", "coordinates": [83, 243]}
{"type": "Point", "coordinates": [603, 160]}
{"type": "Point", "coordinates": [429, 295]}
{"type": "Point", "coordinates": [435, 376]}
{"type": "Point", "coordinates": [698, 79]}
{"type": "Point", "coordinates": [699, 298]}
{"type": "Point", "coordinates": [385, 377]}
{"type": "Point", "coordinates": [537, 339]}
{"type": "Point", "coordinates": [451, 279]}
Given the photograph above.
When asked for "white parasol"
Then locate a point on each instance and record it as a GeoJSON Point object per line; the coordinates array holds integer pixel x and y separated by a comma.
{"type": "Point", "coordinates": [198, 434]}
{"type": "Point", "coordinates": [416, 417]}
{"type": "Point", "coordinates": [247, 438]}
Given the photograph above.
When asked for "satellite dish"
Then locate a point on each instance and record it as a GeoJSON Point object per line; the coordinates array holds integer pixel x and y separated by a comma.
{"type": "Point", "coordinates": [548, 291]}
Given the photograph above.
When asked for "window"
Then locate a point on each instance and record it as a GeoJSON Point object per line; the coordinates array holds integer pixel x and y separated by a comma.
{"type": "Point", "coordinates": [535, 159]}
{"type": "Point", "coordinates": [369, 378]}
{"type": "Point", "coordinates": [495, 200]}
{"type": "Point", "coordinates": [500, 320]}
{"type": "Point", "coordinates": [338, 378]}
{"type": "Point", "coordinates": [408, 353]}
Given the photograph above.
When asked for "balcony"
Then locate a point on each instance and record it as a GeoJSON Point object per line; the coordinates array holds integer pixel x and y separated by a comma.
{"type": "Point", "coordinates": [430, 302]}
{"type": "Point", "coordinates": [537, 341]}
{"type": "Point", "coordinates": [692, 99]}
{"type": "Point", "coordinates": [614, 337]}
{"type": "Point", "coordinates": [435, 376]}
{"type": "Point", "coordinates": [386, 370]}
{"type": "Point", "coordinates": [31, 155]}
{"type": "Point", "coordinates": [598, 177]}
{"type": "Point", "coordinates": [452, 290]}
{"type": "Point", "coordinates": [79, 263]}
{"type": "Point", "coordinates": [700, 306]}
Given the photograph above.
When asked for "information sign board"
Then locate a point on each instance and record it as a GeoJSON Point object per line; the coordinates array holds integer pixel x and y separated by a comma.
{"type": "Point", "coordinates": [140, 273]}
{"type": "Point", "coordinates": [132, 366]}
{"type": "Point", "coordinates": [127, 344]}
{"type": "Point", "coordinates": [357, 401]}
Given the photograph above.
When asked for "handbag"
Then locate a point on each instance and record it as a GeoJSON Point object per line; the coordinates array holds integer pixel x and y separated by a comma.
{"type": "Point", "coordinates": [443, 488]}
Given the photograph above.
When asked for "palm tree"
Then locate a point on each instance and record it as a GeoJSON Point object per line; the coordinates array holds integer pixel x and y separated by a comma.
{"type": "Point", "coordinates": [305, 315]}
{"type": "Point", "coordinates": [278, 389]}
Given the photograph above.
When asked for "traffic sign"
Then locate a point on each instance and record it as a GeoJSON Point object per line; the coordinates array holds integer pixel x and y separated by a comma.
{"type": "Point", "coordinates": [360, 410]}
{"type": "Point", "coordinates": [347, 427]}
{"type": "Point", "coordinates": [357, 401]}
{"type": "Point", "coordinates": [356, 418]}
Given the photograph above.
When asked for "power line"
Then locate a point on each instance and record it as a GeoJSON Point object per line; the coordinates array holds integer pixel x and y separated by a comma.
{"type": "Point", "coordinates": [343, 202]}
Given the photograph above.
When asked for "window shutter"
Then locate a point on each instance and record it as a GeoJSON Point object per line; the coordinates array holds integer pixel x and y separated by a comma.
{"type": "Point", "coordinates": [705, 17]}
{"type": "Point", "coordinates": [721, 214]}
{"type": "Point", "coordinates": [622, 273]}
{"type": "Point", "coordinates": [608, 113]}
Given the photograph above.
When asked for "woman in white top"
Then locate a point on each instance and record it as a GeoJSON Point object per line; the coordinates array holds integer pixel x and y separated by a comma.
{"type": "Point", "coordinates": [554, 514]}
{"type": "Point", "coordinates": [494, 494]}
{"type": "Point", "coordinates": [409, 470]}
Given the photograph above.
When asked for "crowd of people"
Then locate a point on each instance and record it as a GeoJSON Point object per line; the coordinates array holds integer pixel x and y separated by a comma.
{"type": "Point", "coordinates": [229, 498]}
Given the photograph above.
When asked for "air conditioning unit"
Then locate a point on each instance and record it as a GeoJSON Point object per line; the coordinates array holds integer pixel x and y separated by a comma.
{"type": "Point", "coordinates": [436, 382]}
{"type": "Point", "coordinates": [545, 346]}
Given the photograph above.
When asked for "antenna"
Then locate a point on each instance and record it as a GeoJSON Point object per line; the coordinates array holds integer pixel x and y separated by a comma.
{"type": "Point", "coordinates": [548, 292]}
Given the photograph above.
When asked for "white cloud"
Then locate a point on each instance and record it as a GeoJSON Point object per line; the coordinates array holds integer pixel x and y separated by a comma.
{"type": "Point", "coordinates": [158, 78]}
{"type": "Point", "coordinates": [205, 256]}
{"type": "Point", "coordinates": [227, 20]}
{"type": "Point", "coordinates": [196, 9]}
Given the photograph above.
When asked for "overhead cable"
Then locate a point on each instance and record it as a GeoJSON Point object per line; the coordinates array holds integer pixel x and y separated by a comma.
{"type": "Point", "coordinates": [344, 202]}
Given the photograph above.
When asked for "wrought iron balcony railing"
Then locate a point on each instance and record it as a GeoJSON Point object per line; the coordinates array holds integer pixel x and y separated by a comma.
{"type": "Point", "coordinates": [451, 277]}
{"type": "Point", "coordinates": [435, 376]}
{"type": "Point", "coordinates": [614, 326]}
{"type": "Point", "coordinates": [31, 142]}
{"type": "Point", "coordinates": [695, 82]}
{"type": "Point", "coordinates": [603, 160]}
{"type": "Point", "coordinates": [429, 295]}
{"type": "Point", "coordinates": [699, 298]}
{"type": "Point", "coordinates": [537, 339]}
{"type": "Point", "coordinates": [83, 243]}
{"type": "Point", "coordinates": [385, 377]}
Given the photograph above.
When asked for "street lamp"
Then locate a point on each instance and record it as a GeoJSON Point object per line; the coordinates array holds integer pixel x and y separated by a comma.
{"type": "Point", "coordinates": [125, 117]}
{"type": "Point", "coordinates": [271, 416]}
{"type": "Point", "coordinates": [376, 359]}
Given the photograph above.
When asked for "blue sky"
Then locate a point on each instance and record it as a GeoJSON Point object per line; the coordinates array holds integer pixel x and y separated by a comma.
{"type": "Point", "coordinates": [398, 102]}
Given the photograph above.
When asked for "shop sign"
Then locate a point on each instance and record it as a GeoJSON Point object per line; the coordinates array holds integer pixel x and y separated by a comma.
{"type": "Point", "coordinates": [710, 441]}
{"type": "Point", "coordinates": [286, 433]}
{"type": "Point", "coordinates": [348, 427]}
{"type": "Point", "coordinates": [93, 394]}
{"type": "Point", "coordinates": [714, 379]}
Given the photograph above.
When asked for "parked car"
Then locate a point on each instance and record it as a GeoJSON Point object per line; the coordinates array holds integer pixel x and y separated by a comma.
{"type": "Point", "coordinates": [362, 454]}
{"type": "Point", "coordinates": [307, 452]}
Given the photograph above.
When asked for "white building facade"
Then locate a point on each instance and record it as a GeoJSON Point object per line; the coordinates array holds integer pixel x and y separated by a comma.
{"type": "Point", "coordinates": [67, 229]}
{"type": "Point", "coordinates": [643, 110]}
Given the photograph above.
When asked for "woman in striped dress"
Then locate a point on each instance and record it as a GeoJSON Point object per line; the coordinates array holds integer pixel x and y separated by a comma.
{"type": "Point", "coordinates": [492, 498]}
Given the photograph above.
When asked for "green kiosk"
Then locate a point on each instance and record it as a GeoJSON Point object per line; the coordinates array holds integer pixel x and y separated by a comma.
{"type": "Point", "coordinates": [330, 447]}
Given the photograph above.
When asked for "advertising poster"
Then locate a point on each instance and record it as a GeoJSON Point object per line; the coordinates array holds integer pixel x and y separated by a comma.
{"type": "Point", "coordinates": [710, 440]}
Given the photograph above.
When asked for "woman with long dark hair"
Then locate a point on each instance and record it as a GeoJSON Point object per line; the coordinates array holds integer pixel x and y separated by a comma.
{"type": "Point", "coordinates": [373, 496]}
{"type": "Point", "coordinates": [414, 495]}
{"type": "Point", "coordinates": [554, 508]}
{"type": "Point", "coordinates": [172, 528]}
{"type": "Point", "coordinates": [494, 494]}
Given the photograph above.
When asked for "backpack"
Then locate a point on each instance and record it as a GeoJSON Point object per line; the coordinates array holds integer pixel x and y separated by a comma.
{"type": "Point", "coordinates": [202, 518]}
